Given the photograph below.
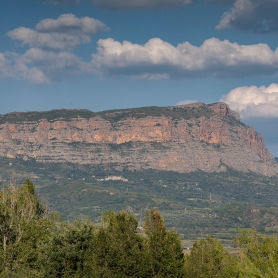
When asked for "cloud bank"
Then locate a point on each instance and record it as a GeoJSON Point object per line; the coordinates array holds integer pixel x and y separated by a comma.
{"type": "Point", "coordinates": [259, 16]}
{"type": "Point", "coordinates": [65, 32]}
{"type": "Point", "coordinates": [158, 59]}
{"type": "Point", "coordinates": [50, 59]}
{"type": "Point", "coordinates": [254, 102]}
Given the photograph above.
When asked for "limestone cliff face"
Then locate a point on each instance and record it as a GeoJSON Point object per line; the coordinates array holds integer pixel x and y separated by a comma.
{"type": "Point", "coordinates": [181, 138]}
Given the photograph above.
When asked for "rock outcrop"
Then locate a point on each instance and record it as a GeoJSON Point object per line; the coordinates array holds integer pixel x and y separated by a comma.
{"type": "Point", "coordinates": [182, 138]}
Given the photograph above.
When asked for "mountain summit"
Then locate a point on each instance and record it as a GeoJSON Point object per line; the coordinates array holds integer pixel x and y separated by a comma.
{"type": "Point", "coordinates": [184, 138]}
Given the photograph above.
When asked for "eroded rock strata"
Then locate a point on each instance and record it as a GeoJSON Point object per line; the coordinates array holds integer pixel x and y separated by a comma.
{"type": "Point", "coordinates": [181, 138]}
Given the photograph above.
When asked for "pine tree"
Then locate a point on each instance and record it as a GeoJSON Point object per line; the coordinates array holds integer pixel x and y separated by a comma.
{"type": "Point", "coordinates": [165, 249]}
{"type": "Point", "coordinates": [120, 251]}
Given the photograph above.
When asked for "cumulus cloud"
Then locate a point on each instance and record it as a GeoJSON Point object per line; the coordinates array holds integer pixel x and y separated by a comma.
{"type": "Point", "coordinates": [140, 4]}
{"type": "Point", "coordinates": [45, 66]}
{"type": "Point", "coordinates": [159, 59]}
{"type": "Point", "coordinates": [258, 16]}
{"type": "Point", "coordinates": [254, 102]}
{"type": "Point", "coordinates": [41, 67]}
{"type": "Point", "coordinates": [156, 59]}
{"type": "Point", "coordinates": [65, 32]}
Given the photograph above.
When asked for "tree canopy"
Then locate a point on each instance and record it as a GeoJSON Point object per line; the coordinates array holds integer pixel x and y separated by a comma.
{"type": "Point", "coordinates": [35, 243]}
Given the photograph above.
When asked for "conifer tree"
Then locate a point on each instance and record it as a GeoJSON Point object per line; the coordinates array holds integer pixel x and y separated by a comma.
{"type": "Point", "coordinates": [165, 248]}
{"type": "Point", "coordinates": [120, 251]}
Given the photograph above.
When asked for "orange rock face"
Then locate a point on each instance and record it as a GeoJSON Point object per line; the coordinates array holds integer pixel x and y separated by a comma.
{"type": "Point", "coordinates": [211, 141]}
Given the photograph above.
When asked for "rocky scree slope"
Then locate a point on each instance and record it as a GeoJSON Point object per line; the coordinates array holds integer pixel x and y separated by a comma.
{"type": "Point", "coordinates": [184, 138]}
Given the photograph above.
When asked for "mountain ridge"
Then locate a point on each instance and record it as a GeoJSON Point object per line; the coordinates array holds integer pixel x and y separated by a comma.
{"type": "Point", "coordinates": [184, 138]}
{"type": "Point", "coordinates": [113, 115]}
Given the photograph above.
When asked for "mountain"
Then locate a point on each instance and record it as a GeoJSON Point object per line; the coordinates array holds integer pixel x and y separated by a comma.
{"type": "Point", "coordinates": [185, 138]}
{"type": "Point", "coordinates": [198, 164]}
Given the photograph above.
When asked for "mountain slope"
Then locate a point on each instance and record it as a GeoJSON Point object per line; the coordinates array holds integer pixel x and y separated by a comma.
{"type": "Point", "coordinates": [183, 139]}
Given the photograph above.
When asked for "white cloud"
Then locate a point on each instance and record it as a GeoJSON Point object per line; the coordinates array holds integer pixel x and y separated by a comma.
{"type": "Point", "coordinates": [42, 67]}
{"type": "Point", "coordinates": [46, 61]}
{"type": "Point", "coordinates": [158, 58]}
{"type": "Point", "coordinates": [65, 32]}
{"type": "Point", "coordinates": [140, 4]}
{"type": "Point", "coordinates": [254, 102]}
{"type": "Point", "coordinates": [255, 15]}
{"type": "Point", "coordinates": [70, 24]}
{"type": "Point", "coordinates": [189, 101]}
{"type": "Point", "coordinates": [53, 66]}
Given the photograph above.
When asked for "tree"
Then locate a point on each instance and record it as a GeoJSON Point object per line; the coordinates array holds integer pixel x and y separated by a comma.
{"type": "Point", "coordinates": [165, 248]}
{"type": "Point", "coordinates": [23, 224]}
{"type": "Point", "coordinates": [209, 259]}
{"type": "Point", "coordinates": [69, 252]}
{"type": "Point", "coordinates": [120, 251]}
{"type": "Point", "coordinates": [259, 254]}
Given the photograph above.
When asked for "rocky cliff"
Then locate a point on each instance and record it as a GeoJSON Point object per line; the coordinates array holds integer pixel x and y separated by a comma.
{"type": "Point", "coordinates": [180, 138]}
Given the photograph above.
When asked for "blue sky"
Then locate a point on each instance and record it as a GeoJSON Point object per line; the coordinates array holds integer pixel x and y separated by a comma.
{"type": "Point", "coordinates": [108, 54]}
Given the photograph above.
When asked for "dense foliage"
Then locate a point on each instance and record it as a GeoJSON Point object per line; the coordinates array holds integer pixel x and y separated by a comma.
{"type": "Point", "coordinates": [35, 243]}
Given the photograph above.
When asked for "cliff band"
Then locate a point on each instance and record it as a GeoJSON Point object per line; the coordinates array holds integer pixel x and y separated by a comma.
{"type": "Point", "coordinates": [182, 138]}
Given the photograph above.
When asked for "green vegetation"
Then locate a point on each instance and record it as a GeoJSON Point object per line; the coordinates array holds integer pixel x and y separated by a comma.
{"type": "Point", "coordinates": [23, 227]}
{"type": "Point", "coordinates": [113, 116]}
{"type": "Point", "coordinates": [196, 204]}
{"type": "Point", "coordinates": [209, 259]}
{"type": "Point", "coordinates": [35, 243]}
{"type": "Point", "coordinates": [65, 114]}
{"type": "Point", "coordinates": [142, 112]}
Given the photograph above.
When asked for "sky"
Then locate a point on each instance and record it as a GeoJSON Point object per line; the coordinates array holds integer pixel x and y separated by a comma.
{"type": "Point", "coordinates": [112, 54]}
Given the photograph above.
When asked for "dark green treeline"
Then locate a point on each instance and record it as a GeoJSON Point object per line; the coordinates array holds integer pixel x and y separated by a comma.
{"type": "Point", "coordinates": [35, 243]}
